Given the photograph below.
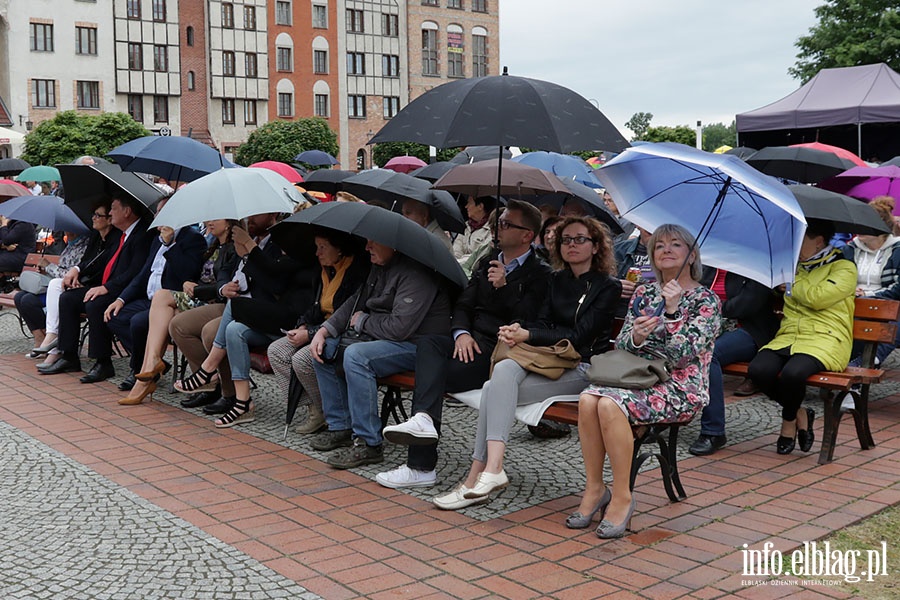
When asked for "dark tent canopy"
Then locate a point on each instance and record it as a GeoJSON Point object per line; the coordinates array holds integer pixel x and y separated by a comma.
{"type": "Point", "coordinates": [857, 108]}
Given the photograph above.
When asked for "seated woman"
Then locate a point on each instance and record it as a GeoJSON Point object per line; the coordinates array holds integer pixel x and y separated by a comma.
{"type": "Point", "coordinates": [816, 333]}
{"type": "Point", "coordinates": [579, 307]}
{"type": "Point", "coordinates": [477, 232]}
{"type": "Point", "coordinates": [683, 335]}
{"type": "Point", "coordinates": [219, 264]}
{"type": "Point", "coordinates": [17, 240]}
{"type": "Point", "coordinates": [344, 269]}
{"type": "Point", "coordinates": [547, 241]}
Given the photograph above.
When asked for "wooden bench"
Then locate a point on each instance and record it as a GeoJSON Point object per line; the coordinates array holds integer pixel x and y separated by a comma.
{"type": "Point", "coordinates": [875, 322]}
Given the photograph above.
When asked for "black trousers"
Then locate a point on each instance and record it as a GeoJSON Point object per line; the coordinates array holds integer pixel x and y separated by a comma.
{"type": "Point", "coordinates": [31, 309]}
{"type": "Point", "coordinates": [432, 352]}
{"type": "Point", "coordinates": [71, 305]}
{"type": "Point", "coordinates": [131, 326]}
{"type": "Point", "coordinates": [782, 377]}
{"type": "Point", "coordinates": [462, 377]}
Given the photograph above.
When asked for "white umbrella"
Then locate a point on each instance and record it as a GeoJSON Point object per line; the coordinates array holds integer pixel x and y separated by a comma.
{"type": "Point", "coordinates": [229, 194]}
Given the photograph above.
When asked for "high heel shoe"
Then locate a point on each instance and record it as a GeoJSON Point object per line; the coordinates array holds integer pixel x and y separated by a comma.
{"type": "Point", "coordinates": [806, 437]}
{"type": "Point", "coordinates": [133, 400]}
{"type": "Point", "coordinates": [607, 530]}
{"type": "Point", "coordinates": [579, 521]}
{"type": "Point", "coordinates": [199, 381]}
{"type": "Point", "coordinates": [161, 368]}
{"type": "Point", "coordinates": [241, 413]}
{"type": "Point", "coordinates": [42, 350]}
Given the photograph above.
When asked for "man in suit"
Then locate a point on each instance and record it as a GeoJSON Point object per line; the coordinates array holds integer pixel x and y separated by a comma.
{"type": "Point", "coordinates": [120, 270]}
{"type": "Point", "coordinates": [174, 257]}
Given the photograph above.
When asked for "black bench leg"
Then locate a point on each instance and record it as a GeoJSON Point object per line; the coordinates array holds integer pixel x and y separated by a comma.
{"type": "Point", "coordinates": [860, 414]}
{"type": "Point", "coordinates": [668, 460]}
{"type": "Point", "coordinates": [832, 420]}
{"type": "Point", "coordinates": [673, 463]}
{"type": "Point", "coordinates": [392, 405]}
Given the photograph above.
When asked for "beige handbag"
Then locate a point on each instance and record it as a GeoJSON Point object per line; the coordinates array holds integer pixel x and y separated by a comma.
{"type": "Point", "coordinates": [549, 361]}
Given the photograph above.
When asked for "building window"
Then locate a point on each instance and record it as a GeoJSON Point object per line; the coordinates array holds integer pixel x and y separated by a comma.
{"type": "Point", "coordinates": [282, 13]}
{"type": "Point", "coordinates": [390, 25]}
{"type": "Point", "coordinates": [356, 63]}
{"type": "Point", "coordinates": [390, 65]}
{"type": "Point", "coordinates": [160, 109]}
{"type": "Point", "coordinates": [133, 9]}
{"type": "Point", "coordinates": [285, 105]}
{"type": "Point", "coordinates": [43, 93]}
{"type": "Point", "coordinates": [228, 63]}
{"type": "Point", "coordinates": [86, 40]}
{"type": "Point", "coordinates": [479, 56]}
{"type": "Point", "coordinates": [320, 16]}
{"type": "Point", "coordinates": [88, 94]}
{"type": "Point", "coordinates": [479, 6]}
{"type": "Point", "coordinates": [251, 65]}
{"type": "Point", "coordinates": [391, 106]}
{"type": "Point", "coordinates": [250, 17]}
{"type": "Point", "coordinates": [454, 4]}
{"type": "Point", "coordinates": [249, 112]}
{"type": "Point", "coordinates": [429, 2]}
{"type": "Point", "coordinates": [355, 21]}
{"type": "Point", "coordinates": [159, 10]}
{"type": "Point", "coordinates": [356, 106]}
{"type": "Point", "coordinates": [136, 107]}
{"type": "Point", "coordinates": [284, 60]}
{"type": "Point", "coordinates": [160, 58]}
{"type": "Point", "coordinates": [360, 159]}
{"type": "Point", "coordinates": [429, 52]}
{"type": "Point", "coordinates": [189, 34]}
{"type": "Point", "coordinates": [135, 57]}
{"type": "Point", "coordinates": [320, 61]}
{"type": "Point", "coordinates": [455, 49]}
{"type": "Point", "coordinates": [455, 64]}
{"type": "Point", "coordinates": [321, 105]}
{"type": "Point", "coordinates": [228, 15]}
{"type": "Point", "coordinates": [41, 37]}
{"type": "Point", "coordinates": [228, 111]}
{"type": "Point", "coordinates": [191, 81]}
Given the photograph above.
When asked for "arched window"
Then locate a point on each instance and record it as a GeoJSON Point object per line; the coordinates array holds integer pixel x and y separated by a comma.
{"type": "Point", "coordinates": [191, 83]}
{"type": "Point", "coordinates": [190, 36]}
{"type": "Point", "coordinates": [429, 48]}
{"type": "Point", "coordinates": [479, 52]}
{"type": "Point", "coordinates": [360, 159]}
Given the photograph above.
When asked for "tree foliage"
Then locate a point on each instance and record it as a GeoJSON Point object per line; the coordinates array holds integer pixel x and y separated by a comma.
{"type": "Point", "coordinates": [69, 135]}
{"type": "Point", "coordinates": [680, 133]}
{"type": "Point", "coordinates": [719, 134]}
{"type": "Point", "coordinates": [385, 151]}
{"type": "Point", "coordinates": [639, 123]}
{"type": "Point", "coordinates": [849, 33]}
{"type": "Point", "coordinates": [283, 140]}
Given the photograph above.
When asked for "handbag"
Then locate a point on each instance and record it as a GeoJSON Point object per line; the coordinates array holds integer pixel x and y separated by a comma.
{"type": "Point", "coordinates": [33, 282]}
{"type": "Point", "coordinates": [335, 347]}
{"type": "Point", "coordinates": [549, 361]}
{"type": "Point", "coordinates": [622, 369]}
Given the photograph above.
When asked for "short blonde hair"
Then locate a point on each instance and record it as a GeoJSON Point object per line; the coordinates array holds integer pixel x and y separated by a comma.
{"type": "Point", "coordinates": [677, 232]}
{"type": "Point", "coordinates": [346, 197]}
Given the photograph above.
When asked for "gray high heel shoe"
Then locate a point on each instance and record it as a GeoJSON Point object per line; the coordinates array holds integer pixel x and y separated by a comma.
{"type": "Point", "coordinates": [579, 521]}
{"type": "Point", "coordinates": [607, 530]}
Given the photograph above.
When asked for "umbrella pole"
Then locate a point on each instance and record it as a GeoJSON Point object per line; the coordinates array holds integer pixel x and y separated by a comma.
{"type": "Point", "coordinates": [714, 210]}
{"type": "Point", "coordinates": [496, 228]}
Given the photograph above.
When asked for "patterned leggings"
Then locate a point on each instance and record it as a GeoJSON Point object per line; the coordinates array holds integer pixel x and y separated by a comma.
{"type": "Point", "coordinates": [284, 356]}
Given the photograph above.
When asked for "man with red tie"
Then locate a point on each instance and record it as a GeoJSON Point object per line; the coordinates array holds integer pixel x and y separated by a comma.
{"type": "Point", "coordinates": [122, 267]}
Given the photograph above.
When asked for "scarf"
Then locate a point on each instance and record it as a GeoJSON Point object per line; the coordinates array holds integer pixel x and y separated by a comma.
{"type": "Point", "coordinates": [476, 225]}
{"type": "Point", "coordinates": [822, 257]}
{"type": "Point", "coordinates": [331, 283]}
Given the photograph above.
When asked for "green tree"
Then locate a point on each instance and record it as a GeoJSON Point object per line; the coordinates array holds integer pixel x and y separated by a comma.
{"type": "Point", "coordinates": [719, 134]}
{"type": "Point", "coordinates": [385, 151]}
{"type": "Point", "coordinates": [283, 140]}
{"type": "Point", "coordinates": [849, 33]}
{"type": "Point", "coordinates": [69, 135]}
{"type": "Point", "coordinates": [680, 133]}
{"type": "Point", "coordinates": [639, 123]}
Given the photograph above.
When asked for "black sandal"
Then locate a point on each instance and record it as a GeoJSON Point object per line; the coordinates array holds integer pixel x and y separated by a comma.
{"type": "Point", "coordinates": [242, 412]}
{"type": "Point", "coordinates": [199, 381]}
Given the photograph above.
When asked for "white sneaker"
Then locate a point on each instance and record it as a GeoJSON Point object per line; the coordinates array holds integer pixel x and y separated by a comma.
{"type": "Point", "coordinates": [456, 499]}
{"type": "Point", "coordinates": [417, 431]}
{"type": "Point", "coordinates": [404, 477]}
{"type": "Point", "coordinates": [847, 403]}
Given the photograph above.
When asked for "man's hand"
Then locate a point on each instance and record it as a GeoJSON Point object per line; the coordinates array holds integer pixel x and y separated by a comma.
{"type": "Point", "coordinates": [188, 288]}
{"type": "Point", "coordinates": [167, 234]}
{"type": "Point", "coordinates": [95, 292]}
{"type": "Point", "coordinates": [466, 347]}
{"type": "Point", "coordinates": [70, 279]}
{"type": "Point", "coordinates": [243, 243]}
{"type": "Point", "coordinates": [355, 318]}
{"type": "Point", "coordinates": [113, 309]}
{"type": "Point", "coordinates": [496, 274]}
{"type": "Point", "coordinates": [232, 289]}
{"type": "Point", "coordinates": [317, 345]}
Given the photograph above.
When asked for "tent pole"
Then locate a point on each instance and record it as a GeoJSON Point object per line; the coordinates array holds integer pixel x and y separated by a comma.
{"type": "Point", "coordinates": [859, 140]}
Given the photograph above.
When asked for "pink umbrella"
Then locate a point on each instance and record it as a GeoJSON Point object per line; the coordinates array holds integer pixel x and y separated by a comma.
{"type": "Point", "coordinates": [834, 150]}
{"type": "Point", "coordinates": [285, 170]}
{"type": "Point", "coordinates": [866, 183]}
{"type": "Point", "coordinates": [404, 164]}
{"type": "Point", "coordinates": [11, 189]}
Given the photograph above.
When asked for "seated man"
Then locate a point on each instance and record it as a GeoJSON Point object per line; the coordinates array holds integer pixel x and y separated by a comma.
{"type": "Point", "coordinates": [120, 270]}
{"type": "Point", "coordinates": [421, 214]}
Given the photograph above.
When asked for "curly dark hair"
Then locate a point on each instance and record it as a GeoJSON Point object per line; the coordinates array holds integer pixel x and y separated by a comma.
{"type": "Point", "coordinates": [604, 260]}
{"type": "Point", "coordinates": [216, 244]}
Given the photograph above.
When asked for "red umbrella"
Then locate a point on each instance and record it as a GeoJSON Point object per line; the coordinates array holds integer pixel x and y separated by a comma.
{"type": "Point", "coordinates": [11, 189]}
{"type": "Point", "coordinates": [404, 164]}
{"type": "Point", "coordinates": [845, 154]}
{"type": "Point", "coordinates": [285, 170]}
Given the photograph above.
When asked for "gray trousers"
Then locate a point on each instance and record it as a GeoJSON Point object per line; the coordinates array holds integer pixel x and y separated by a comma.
{"type": "Point", "coordinates": [284, 357]}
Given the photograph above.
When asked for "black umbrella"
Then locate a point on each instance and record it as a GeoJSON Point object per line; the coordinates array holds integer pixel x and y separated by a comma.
{"type": "Point", "coordinates": [316, 158]}
{"type": "Point", "coordinates": [326, 180]}
{"type": "Point", "coordinates": [895, 162]}
{"type": "Point", "coordinates": [742, 152]}
{"type": "Point", "coordinates": [87, 184]}
{"type": "Point", "coordinates": [12, 166]}
{"type": "Point", "coordinates": [849, 215]}
{"type": "Point", "coordinates": [587, 197]}
{"type": "Point", "coordinates": [805, 165]}
{"type": "Point", "coordinates": [376, 224]}
{"type": "Point", "coordinates": [477, 154]}
{"type": "Point", "coordinates": [435, 170]}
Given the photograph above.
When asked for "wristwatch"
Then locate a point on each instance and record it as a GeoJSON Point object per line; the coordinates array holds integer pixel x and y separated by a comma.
{"type": "Point", "coordinates": [673, 316]}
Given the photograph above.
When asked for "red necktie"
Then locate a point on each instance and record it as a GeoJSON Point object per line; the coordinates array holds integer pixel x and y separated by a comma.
{"type": "Point", "coordinates": [112, 262]}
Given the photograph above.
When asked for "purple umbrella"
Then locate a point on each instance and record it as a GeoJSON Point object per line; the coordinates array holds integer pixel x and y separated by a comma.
{"type": "Point", "coordinates": [866, 183]}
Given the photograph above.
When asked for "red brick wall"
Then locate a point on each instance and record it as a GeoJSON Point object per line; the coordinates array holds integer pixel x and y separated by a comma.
{"type": "Point", "coordinates": [194, 103]}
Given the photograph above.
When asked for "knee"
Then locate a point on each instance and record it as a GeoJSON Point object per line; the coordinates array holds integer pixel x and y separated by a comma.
{"type": "Point", "coordinates": [163, 298]}
{"type": "Point", "coordinates": [607, 409]}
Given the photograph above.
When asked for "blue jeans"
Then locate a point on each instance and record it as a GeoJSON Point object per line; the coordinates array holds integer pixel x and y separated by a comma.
{"type": "Point", "coordinates": [237, 339]}
{"type": "Point", "coordinates": [731, 346]}
{"type": "Point", "coordinates": [351, 402]}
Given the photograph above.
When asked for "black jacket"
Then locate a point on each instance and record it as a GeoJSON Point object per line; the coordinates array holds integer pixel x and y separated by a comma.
{"type": "Point", "coordinates": [23, 234]}
{"type": "Point", "coordinates": [183, 261]}
{"type": "Point", "coordinates": [752, 304]}
{"type": "Point", "coordinates": [580, 310]}
{"type": "Point", "coordinates": [354, 278]}
{"type": "Point", "coordinates": [224, 267]}
{"type": "Point", "coordinates": [96, 255]}
{"type": "Point", "coordinates": [130, 260]}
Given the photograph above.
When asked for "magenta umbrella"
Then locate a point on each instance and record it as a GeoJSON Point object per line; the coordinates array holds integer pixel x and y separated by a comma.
{"type": "Point", "coordinates": [866, 183]}
{"type": "Point", "coordinates": [404, 164]}
{"type": "Point", "coordinates": [285, 170]}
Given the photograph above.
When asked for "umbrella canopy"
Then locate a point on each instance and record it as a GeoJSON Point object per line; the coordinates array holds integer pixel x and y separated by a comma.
{"type": "Point", "coordinates": [564, 166]}
{"type": "Point", "coordinates": [849, 215]}
{"type": "Point", "coordinates": [587, 197]}
{"type": "Point", "coordinates": [229, 194]}
{"type": "Point", "coordinates": [722, 149]}
{"type": "Point", "coordinates": [316, 158]}
{"type": "Point", "coordinates": [474, 154]}
{"type": "Point", "coordinates": [12, 166]}
{"type": "Point", "coordinates": [841, 152]}
{"type": "Point", "coordinates": [404, 164]}
{"type": "Point", "coordinates": [88, 184]}
{"type": "Point", "coordinates": [745, 222]}
{"type": "Point", "coordinates": [434, 171]}
{"type": "Point", "coordinates": [12, 189]}
{"type": "Point", "coordinates": [285, 170]}
{"type": "Point", "coordinates": [46, 211]}
{"type": "Point", "coordinates": [376, 224]}
{"type": "Point", "coordinates": [326, 180]}
{"type": "Point", "coordinates": [595, 162]}
{"type": "Point", "coordinates": [39, 173]}
{"type": "Point", "coordinates": [503, 110]}
{"type": "Point", "coordinates": [173, 157]}
{"type": "Point", "coordinates": [893, 162]}
{"type": "Point", "coordinates": [480, 179]}
{"type": "Point", "coordinates": [805, 165]}
{"type": "Point", "coordinates": [742, 152]}
{"type": "Point", "coordinates": [866, 182]}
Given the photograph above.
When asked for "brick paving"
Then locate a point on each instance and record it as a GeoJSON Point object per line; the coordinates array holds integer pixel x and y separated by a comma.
{"type": "Point", "coordinates": [276, 518]}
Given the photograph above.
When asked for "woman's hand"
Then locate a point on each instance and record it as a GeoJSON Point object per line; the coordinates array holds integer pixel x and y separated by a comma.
{"type": "Point", "coordinates": [188, 288]}
{"type": "Point", "coordinates": [298, 337]}
{"type": "Point", "coordinates": [642, 328]}
{"type": "Point", "coordinates": [512, 334]}
{"type": "Point", "coordinates": [317, 345]}
{"type": "Point", "coordinates": [672, 293]}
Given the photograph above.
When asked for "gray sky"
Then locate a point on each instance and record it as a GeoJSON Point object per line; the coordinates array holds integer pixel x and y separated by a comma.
{"type": "Point", "coordinates": [682, 60]}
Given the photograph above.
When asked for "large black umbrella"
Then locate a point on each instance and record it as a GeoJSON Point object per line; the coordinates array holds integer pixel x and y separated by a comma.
{"type": "Point", "coordinates": [434, 171]}
{"type": "Point", "coordinates": [849, 215]}
{"type": "Point", "coordinates": [474, 154]}
{"type": "Point", "coordinates": [87, 184]}
{"type": "Point", "coordinates": [587, 197]}
{"type": "Point", "coordinates": [326, 180]}
{"type": "Point", "coordinates": [12, 166]}
{"type": "Point", "coordinates": [805, 165]}
{"type": "Point", "coordinates": [742, 152]}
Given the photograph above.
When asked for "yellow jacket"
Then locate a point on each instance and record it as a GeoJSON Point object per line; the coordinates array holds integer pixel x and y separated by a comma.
{"type": "Point", "coordinates": [818, 312]}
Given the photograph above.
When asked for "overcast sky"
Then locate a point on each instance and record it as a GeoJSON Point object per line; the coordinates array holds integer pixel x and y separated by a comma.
{"type": "Point", "coordinates": [682, 60]}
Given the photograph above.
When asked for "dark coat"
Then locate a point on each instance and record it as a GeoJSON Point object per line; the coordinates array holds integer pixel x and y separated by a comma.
{"type": "Point", "coordinates": [130, 260]}
{"type": "Point", "coordinates": [97, 254]}
{"type": "Point", "coordinates": [354, 278]}
{"type": "Point", "coordinates": [580, 310]}
{"type": "Point", "coordinates": [752, 304]}
{"type": "Point", "coordinates": [184, 259]}
{"type": "Point", "coordinates": [224, 268]}
{"type": "Point", "coordinates": [22, 234]}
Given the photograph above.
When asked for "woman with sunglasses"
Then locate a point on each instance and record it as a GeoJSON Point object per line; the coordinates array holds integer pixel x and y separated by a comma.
{"type": "Point", "coordinates": [580, 306]}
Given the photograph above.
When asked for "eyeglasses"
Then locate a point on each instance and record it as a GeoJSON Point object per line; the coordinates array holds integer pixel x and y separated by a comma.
{"type": "Point", "coordinates": [504, 224]}
{"type": "Point", "coordinates": [579, 240]}
{"type": "Point", "coordinates": [99, 216]}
